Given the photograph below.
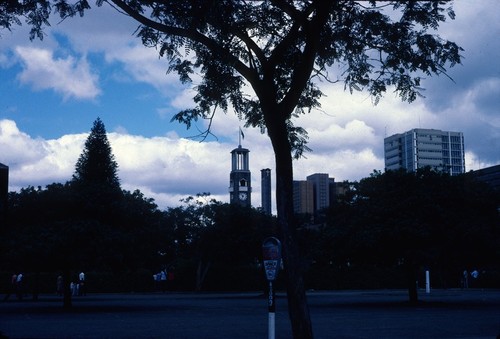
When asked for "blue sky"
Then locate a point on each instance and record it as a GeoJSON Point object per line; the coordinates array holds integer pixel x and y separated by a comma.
{"type": "Point", "coordinates": [52, 91]}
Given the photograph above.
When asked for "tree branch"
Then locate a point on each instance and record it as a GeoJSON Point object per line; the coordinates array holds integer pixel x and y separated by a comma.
{"type": "Point", "coordinates": [192, 35]}
{"type": "Point", "coordinates": [302, 73]}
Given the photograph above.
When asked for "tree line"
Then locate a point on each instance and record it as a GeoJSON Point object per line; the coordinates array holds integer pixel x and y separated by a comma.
{"type": "Point", "coordinates": [89, 223]}
{"type": "Point", "coordinates": [381, 233]}
{"type": "Point", "coordinates": [405, 223]}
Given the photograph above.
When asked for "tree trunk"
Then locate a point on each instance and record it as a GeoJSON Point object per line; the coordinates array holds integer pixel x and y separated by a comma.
{"type": "Point", "coordinates": [298, 309]}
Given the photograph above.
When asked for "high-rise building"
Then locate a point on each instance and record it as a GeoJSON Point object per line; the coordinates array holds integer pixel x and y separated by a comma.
{"type": "Point", "coordinates": [265, 188]}
{"type": "Point", "coordinates": [321, 189]}
{"type": "Point", "coordinates": [314, 194]}
{"type": "Point", "coordinates": [240, 188]}
{"type": "Point", "coordinates": [303, 197]}
{"type": "Point", "coordinates": [418, 148]}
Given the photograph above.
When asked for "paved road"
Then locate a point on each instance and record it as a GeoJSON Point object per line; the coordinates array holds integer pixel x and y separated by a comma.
{"type": "Point", "coordinates": [335, 314]}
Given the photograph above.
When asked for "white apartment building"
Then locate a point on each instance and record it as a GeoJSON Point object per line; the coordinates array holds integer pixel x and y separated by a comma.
{"type": "Point", "coordinates": [418, 148]}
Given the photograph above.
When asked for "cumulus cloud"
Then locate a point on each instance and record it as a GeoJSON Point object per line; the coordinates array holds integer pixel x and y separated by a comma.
{"type": "Point", "coordinates": [66, 75]}
{"type": "Point", "coordinates": [162, 163]}
{"type": "Point", "coordinates": [18, 146]}
{"type": "Point", "coordinates": [164, 168]}
{"type": "Point", "coordinates": [37, 162]}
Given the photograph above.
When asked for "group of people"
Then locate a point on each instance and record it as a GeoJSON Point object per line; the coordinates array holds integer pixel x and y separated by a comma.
{"type": "Point", "coordinates": [163, 278]}
{"type": "Point", "coordinates": [465, 278]}
{"type": "Point", "coordinates": [77, 288]}
{"type": "Point", "coordinates": [16, 287]}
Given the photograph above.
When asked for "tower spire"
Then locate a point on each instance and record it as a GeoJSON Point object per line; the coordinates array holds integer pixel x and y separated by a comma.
{"type": "Point", "coordinates": [240, 184]}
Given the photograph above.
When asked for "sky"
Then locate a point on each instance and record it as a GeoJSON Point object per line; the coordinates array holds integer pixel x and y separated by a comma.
{"type": "Point", "coordinates": [52, 91]}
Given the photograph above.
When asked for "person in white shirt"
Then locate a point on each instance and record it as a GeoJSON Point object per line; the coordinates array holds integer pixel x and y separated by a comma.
{"type": "Point", "coordinates": [19, 286]}
{"type": "Point", "coordinates": [81, 282]}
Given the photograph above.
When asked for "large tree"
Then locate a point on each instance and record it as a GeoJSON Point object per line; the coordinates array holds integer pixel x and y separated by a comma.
{"type": "Point", "coordinates": [280, 49]}
{"type": "Point", "coordinates": [95, 179]}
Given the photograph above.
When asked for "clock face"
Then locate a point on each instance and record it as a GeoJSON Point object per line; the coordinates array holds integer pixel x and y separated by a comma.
{"type": "Point", "coordinates": [243, 196]}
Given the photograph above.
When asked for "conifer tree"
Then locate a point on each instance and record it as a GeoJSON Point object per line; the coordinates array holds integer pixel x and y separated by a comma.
{"type": "Point", "coordinates": [95, 182]}
{"type": "Point", "coordinates": [97, 165]}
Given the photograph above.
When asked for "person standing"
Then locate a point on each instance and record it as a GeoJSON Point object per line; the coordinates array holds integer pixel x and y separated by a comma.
{"type": "Point", "coordinates": [163, 280]}
{"type": "Point", "coordinates": [465, 279]}
{"type": "Point", "coordinates": [19, 286]}
{"type": "Point", "coordinates": [474, 274]}
{"type": "Point", "coordinates": [81, 281]}
{"type": "Point", "coordinates": [59, 285]}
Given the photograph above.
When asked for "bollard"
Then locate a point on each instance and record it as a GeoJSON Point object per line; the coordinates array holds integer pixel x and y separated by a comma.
{"type": "Point", "coordinates": [427, 282]}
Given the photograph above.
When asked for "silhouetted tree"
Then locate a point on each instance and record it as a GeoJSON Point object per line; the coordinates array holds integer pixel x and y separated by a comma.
{"type": "Point", "coordinates": [281, 49]}
{"type": "Point", "coordinates": [95, 180]}
{"type": "Point", "coordinates": [210, 235]}
{"type": "Point", "coordinates": [96, 165]}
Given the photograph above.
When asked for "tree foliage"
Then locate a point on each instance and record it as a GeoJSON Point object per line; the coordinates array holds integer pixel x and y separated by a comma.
{"type": "Point", "coordinates": [210, 237]}
{"type": "Point", "coordinates": [423, 219]}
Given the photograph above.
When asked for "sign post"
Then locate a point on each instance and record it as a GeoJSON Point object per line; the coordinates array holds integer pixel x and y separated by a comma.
{"type": "Point", "coordinates": [271, 254]}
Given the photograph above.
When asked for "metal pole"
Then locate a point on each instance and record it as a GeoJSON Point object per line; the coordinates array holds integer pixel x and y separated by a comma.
{"type": "Point", "coordinates": [427, 282]}
{"type": "Point", "coordinates": [272, 312]}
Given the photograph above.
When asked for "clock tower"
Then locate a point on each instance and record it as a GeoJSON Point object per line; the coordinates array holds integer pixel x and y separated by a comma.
{"type": "Point", "coordinates": [240, 188]}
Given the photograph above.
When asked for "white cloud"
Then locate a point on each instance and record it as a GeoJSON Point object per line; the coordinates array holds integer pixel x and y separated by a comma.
{"type": "Point", "coordinates": [37, 162]}
{"type": "Point", "coordinates": [69, 76]}
{"type": "Point", "coordinates": [341, 165]}
{"type": "Point", "coordinates": [165, 164]}
{"type": "Point", "coordinates": [144, 65]}
{"type": "Point", "coordinates": [16, 146]}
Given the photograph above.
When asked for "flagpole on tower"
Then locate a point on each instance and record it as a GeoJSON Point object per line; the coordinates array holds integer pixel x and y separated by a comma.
{"type": "Point", "coordinates": [240, 136]}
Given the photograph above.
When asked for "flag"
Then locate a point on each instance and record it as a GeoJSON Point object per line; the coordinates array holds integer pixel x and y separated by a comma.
{"type": "Point", "coordinates": [241, 133]}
